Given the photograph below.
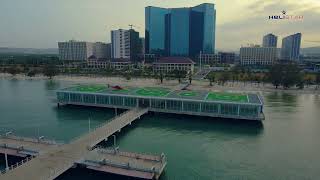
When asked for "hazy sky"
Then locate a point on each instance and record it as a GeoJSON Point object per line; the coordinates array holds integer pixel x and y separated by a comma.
{"type": "Point", "coordinates": [42, 23]}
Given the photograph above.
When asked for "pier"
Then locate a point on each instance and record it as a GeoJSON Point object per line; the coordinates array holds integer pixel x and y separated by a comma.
{"type": "Point", "coordinates": [55, 159]}
{"type": "Point", "coordinates": [125, 163]}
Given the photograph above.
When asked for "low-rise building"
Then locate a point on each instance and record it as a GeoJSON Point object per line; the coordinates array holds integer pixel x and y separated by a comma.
{"type": "Point", "coordinates": [220, 58]}
{"type": "Point", "coordinates": [97, 63]}
{"type": "Point", "coordinates": [120, 63]}
{"type": "Point", "coordinates": [256, 55]}
{"type": "Point", "coordinates": [169, 64]}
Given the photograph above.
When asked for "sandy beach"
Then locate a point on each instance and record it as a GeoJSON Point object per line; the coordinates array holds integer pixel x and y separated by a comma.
{"type": "Point", "coordinates": [196, 84]}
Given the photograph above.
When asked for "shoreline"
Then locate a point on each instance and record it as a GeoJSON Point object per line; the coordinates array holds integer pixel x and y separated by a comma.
{"type": "Point", "coordinates": [195, 85]}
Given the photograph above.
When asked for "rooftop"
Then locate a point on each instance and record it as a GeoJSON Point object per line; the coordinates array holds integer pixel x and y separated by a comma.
{"type": "Point", "coordinates": [174, 60]}
{"type": "Point", "coordinates": [162, 92]}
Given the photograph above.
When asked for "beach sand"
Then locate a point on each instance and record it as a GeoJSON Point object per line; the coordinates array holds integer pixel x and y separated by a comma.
{"type": "Point", "coordinates": [145, 82]}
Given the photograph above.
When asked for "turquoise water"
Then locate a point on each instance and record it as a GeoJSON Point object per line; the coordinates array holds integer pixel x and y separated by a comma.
{"type": "Point", "coordinates": [284, 146]}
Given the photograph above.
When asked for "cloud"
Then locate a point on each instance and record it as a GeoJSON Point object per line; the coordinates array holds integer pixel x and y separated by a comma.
{"type": "Point", "coordinates": [254, 23]}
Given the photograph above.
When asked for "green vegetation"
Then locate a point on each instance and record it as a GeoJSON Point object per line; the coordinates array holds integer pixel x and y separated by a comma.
{"type": "Point", "coordinates": [153, 91]}
{"type": "Point", "coordinates": [50, 71]}
{"type": "Point", "coordinates": [91, 88]}
{"type": "Point", "coordinates": [211, 78]}
{"type": "Point", "coordinates": [286, 75]}
{"type": "Point", "coordinates": [219, 96]}
{"type": "Point", "coordinates": [188, 94]}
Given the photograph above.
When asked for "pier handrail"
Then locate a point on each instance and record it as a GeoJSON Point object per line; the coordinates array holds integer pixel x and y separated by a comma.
{"type": "Point", "coordinates": [145, 156]}
{"type": "Point", "coordinates": [32, 140]}
{"type": "Point", "coordinates": [17, 164]}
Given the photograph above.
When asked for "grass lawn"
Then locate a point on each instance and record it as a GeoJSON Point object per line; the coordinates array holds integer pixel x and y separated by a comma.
{"type": "Point", "coordinates": [153, 91]}
{"type": "Point", "coordinates": [217, 96]}
{"type": "Point", "coordinates": [91, 88]}
{"type": "Point", "coordinates": [188, 94]}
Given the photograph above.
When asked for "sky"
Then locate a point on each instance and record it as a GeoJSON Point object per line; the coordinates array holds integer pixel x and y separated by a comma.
{"type": "Point", "coordinates": [42, 23]}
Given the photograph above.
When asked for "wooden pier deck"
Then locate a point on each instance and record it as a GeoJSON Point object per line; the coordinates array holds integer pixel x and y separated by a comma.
{"type": "Point", "coordinates": [125, 163]}
{"type": "Point", "coordinates": [55, 161]}
{"type": "Point", "coordinates": [22, 147]}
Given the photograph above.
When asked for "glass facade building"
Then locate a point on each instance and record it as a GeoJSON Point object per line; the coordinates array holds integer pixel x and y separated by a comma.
{"type": "Point", "coordinates": [269, 40]}
{"type": "Point", "coordinates": [290, 49]}
{"type": "Point", "coordinates": [180, 31]}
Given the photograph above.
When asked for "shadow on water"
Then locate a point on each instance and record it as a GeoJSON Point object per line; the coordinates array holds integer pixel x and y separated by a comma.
{"type": "Point", "coordinates": [52, 85]}
{"type": "Point", "coordinates": [83, 112]}
{"type": "Point", "coordinates": [281, 99]}
{"type": "Point", "coordinates": [85, 174]}
{"type": "Point", "coordinates": [195, 123]}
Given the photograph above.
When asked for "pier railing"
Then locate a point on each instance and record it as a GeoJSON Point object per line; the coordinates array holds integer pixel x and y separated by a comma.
{"type": "Point", "coordinates": [17, 164]}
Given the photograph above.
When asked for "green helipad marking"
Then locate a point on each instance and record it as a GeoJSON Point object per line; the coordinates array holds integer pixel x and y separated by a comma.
{"type": "Point", "coordinates": [120, 90]}
{"type": "Point", "coordinates": [153, 91]}
{"type": "Point", "coordinates": [91, 88]}
{"type": "Point", "coordinates": [188, 94]}
{"type": "Point", "coordinates": [217, 96]}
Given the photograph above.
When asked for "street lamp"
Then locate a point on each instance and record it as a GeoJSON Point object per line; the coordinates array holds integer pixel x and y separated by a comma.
{"type": "Point", "coordinates": [114, 140]}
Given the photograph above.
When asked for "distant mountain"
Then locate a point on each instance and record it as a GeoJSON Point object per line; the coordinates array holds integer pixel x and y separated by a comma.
{"type": "Point", "coordinates": [311, 50]}
{"type": "Point", "coordinates": [28, 50]}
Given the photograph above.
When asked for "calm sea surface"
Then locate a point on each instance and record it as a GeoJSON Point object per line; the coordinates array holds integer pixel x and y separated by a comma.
{"type": "Point", "coordinates": [285, 146]}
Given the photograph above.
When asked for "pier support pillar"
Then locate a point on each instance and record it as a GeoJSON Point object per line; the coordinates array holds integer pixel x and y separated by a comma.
{"type": "Point", "coordinates": [6, 159]}
{"type": "Point", "coordinates": [116, 111]}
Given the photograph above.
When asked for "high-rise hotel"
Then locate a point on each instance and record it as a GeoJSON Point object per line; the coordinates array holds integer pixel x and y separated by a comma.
{"type": "Point", "coordinates": [291, 47]}
{"type": "Point", "coordinates": [180, 31]}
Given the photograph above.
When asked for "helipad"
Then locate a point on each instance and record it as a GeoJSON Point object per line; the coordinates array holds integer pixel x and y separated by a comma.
{"type": "Point", "coordinates": [160, 99]}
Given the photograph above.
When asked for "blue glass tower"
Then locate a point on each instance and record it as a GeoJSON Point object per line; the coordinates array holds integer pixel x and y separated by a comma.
{"type": "Point", "coordinates": [290, 49]}
{"type": "Point", "coordinates": [180, 31]}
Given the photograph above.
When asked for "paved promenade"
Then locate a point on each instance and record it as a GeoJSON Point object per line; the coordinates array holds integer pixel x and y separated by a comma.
{"type": "Point", "coordinates": [54, 162]}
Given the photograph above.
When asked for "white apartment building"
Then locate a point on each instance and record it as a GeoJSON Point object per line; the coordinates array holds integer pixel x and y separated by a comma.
{"type": "Point", "coordinates": [257, 55]}
{"type": "Point", "coordinates": [120, 40]}
{"type": "Point", "coordinates": [75, 50]}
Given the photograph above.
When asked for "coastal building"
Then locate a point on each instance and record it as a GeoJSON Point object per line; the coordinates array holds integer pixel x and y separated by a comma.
{"type": "Point", "coordinates": [75, 50]}
{"type": "Point", "coordinates": [180, 31]}
{"type": "Point", "coordinates": [291, 47]}
{"type": "Point", "coordinates": [256, 55]}
{"type": "Point", "coordinates": [120, 63]}
{"type": "Point", "coordinates": [100, 50]}
{"type": "Point", "coordinates": [220, 58]}
{"type": "Point", "coordinates": [208, 59]}
{"type": "Point", "coordinates": [247, 106]}
{"type": "Point", "coordinates": [169, 64]}
{"type": "Point", "coordinates": [125, 44]}
{"type": "Point", "coordinates": [227, 57]}
{"type": "Point", "coordinates": [97, 63]}
{"type": "Point", "coordinates": [270, 40]}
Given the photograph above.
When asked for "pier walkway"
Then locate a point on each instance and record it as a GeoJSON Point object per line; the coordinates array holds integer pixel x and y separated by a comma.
{"type": "Point", "coordinates": [125, 163]}
{"type": "Point", "coordinates": [23, 147]}
{"type": "Point", "coordinates": [54, 162]}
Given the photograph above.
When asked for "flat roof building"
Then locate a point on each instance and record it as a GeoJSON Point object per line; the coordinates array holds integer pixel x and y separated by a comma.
{"type": "Point", "coordinates": [169, 64]}
{"type": "Point", "coordinates": [75, 50]}
{"type": "Point", "coordinates": [125, 44]}
{"type": "Point", "coordinates": [247, 106]}
{"type": "Point", "coordinates": [180, 31]}
{"type": "Point", "coordinates": [261, 56]}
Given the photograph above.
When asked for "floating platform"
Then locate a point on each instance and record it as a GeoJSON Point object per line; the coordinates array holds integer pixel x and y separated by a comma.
{"type": "Point", "coordinates": [248, 106]}
{"type": "Point", "coordinates": [125, 163]}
